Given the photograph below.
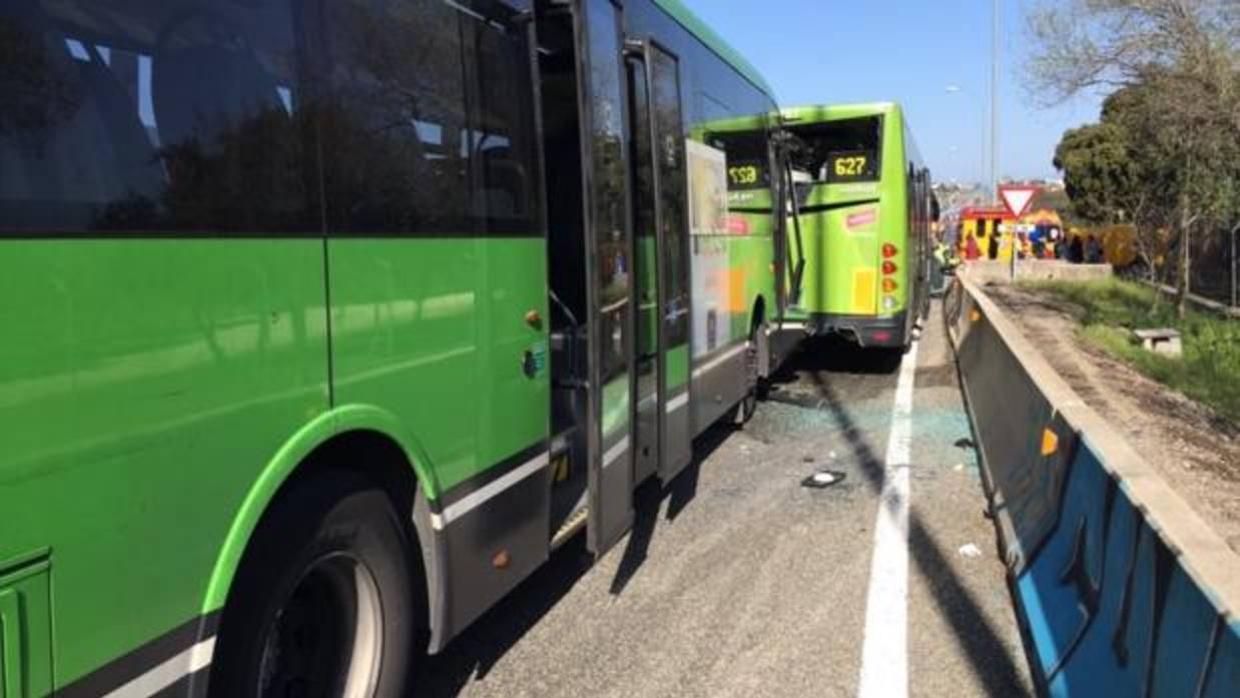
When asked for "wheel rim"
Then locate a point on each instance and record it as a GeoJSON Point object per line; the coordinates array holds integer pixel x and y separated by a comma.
{"type": "Point", "coordinates": [327, 639]}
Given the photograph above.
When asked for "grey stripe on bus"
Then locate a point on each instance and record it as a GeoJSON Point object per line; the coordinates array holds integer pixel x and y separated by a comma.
{"type": "Point", "coordinates": [119, 674]}
{"type": "Point", "coordinates": [476, 499]}
{"type": "Point", "coordinates": [615, 452]}
{"type": "Point", "coordinates": [190, 661]}
{"type": "Point", "coordinates": [677, 402]}
{"type": "Point", "coordinates": [720, 360]}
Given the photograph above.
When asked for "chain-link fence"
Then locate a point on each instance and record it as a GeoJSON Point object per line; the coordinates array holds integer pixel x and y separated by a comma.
{"type": "Point", "coordinates": [1215, 267]}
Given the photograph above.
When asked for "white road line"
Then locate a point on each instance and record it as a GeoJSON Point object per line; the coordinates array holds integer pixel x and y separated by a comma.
{"type": "Point", "coordinates": [188, 662]}
{"type": "Point", "coordinates": [884, 657]}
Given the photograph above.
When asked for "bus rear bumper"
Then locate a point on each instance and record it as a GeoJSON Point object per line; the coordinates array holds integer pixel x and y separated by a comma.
{"type": "Point", "coordinates": [866, 331]}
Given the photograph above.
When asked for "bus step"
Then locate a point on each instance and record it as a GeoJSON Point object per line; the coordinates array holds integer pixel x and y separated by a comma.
{"type": "Point", "coordinates": [575, 522]}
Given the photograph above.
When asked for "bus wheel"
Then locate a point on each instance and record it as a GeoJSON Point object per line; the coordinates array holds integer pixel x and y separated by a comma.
{"type": "Point", "coordinates": [746, 408]}
{"type": "Point", "coordinates": [322, 602]}
{"type": "Point", "coordinates": [757, 351]}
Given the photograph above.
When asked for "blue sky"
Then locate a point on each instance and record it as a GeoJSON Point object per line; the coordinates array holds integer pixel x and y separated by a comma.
{"type": "Point", "coordinates": [910, 51]}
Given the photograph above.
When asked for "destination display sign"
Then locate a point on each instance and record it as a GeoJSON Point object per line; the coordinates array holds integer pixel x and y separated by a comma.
{"type": "Point", "coordinates": [747, 174]}
{"type": "Point", "coordinates": [851, 166]}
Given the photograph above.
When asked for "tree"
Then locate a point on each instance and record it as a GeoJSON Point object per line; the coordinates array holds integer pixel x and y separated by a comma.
{"type": "Point", "coordinates": [1168, 138]}
{"type": "Point", "coordinates": [1100, 171]}
{"type": "Point", "coordinates": [1113, 173]}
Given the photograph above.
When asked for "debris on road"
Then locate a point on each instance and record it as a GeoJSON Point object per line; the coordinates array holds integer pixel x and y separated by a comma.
{"type": "Point", "coordinates": [970, 551]}
{"type": "Point", "coordinates": [823, 479]}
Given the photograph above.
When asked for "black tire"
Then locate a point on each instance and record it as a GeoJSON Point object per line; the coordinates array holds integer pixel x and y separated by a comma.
{"type": "Point", "coordinates": [326, 593]}
{"type": "Point", "coordinates": [745, 409]}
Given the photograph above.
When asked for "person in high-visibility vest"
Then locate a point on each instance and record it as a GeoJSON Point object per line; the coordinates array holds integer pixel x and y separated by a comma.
{"type": "Point", "coordinates": [946, 262]}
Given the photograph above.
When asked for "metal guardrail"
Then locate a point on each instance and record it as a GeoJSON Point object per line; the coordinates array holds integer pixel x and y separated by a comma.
{"type": "Point", "coordinates": [1199, 301]}
{"type": "Point", "coordinates": [1120, 588]}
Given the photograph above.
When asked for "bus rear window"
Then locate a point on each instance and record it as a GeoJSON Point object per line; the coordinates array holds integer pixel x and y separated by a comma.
{"type": "Point", "coordinates": [839, 151]}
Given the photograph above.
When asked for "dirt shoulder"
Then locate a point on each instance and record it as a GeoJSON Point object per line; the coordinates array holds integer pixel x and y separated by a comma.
{"type": "Point", "coordinates": [1196, 451]}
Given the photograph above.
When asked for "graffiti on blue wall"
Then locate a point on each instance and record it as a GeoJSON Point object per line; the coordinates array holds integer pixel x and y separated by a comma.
{"type": "Point", "coordinates": [1108, 608]}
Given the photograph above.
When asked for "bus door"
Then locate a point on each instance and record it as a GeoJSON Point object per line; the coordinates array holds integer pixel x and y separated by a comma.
{"type": "Point", "coordinates": [660, 183]}
{"type": "Point", "coordinates": [609, 270]}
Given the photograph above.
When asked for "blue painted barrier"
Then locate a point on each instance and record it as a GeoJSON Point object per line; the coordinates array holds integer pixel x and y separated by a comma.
{"type": "Point", "coordinates": [1120, 589]}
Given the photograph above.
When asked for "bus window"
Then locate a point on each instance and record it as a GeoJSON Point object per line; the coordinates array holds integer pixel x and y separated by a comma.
{"type": "Point", "coordinates": [839, 151]}
{"type": "Point", "coordinates": [150, 116]}
{"type": "Point", "coordinates": [458, 159]}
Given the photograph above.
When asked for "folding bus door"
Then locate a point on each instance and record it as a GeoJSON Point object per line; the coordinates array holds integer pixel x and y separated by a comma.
{"type": "Point", "coordinates": [662, 193]}
{"type": "Point", "coordinates": [602, 90]}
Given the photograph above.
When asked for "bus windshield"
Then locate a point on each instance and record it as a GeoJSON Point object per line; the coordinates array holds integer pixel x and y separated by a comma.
{"type": "Point", "coordinates": [838, 151]}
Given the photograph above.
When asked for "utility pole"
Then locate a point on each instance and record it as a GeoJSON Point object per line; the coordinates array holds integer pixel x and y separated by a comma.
{"type": "Point", "coordinates": [994, 101]}
{"type": "Point", "coordinates": [997, 11]}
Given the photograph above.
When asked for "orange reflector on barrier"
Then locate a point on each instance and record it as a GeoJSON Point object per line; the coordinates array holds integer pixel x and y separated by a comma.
{"type": "Point", "coordinates": [1050, 442]}
{"type": "Point", "coordinates": [502, 560]}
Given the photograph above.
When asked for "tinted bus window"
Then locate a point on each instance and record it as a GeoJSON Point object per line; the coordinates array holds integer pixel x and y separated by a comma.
{"type": "Point", "coordinates": [150, 116]}
{"type": "Point", "coordinates": [427, 119]}
{"type": "Point", "coordinates": [610, 201]}
{"type": "Point", "coordinates": [839, 151]}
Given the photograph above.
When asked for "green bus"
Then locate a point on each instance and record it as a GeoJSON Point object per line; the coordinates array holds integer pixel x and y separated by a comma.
{"type": "Point", "coordinates": [859, 249]}
{"type": "Point", "coordinates": [327, 321]}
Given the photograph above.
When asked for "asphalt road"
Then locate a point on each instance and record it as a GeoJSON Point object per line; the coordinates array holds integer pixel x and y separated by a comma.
{"type": "Point", "coordinates": [740, 581]}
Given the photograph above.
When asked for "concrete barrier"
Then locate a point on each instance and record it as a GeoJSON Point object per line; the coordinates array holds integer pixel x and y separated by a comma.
{"type": "Point", "coordinates": [1121, 589]}
{"type": "Point", "coordinates": [983, 271]}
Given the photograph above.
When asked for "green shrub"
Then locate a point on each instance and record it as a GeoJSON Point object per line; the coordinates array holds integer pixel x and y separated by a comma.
{"type": "Point", "coordinates": [1109, 310]}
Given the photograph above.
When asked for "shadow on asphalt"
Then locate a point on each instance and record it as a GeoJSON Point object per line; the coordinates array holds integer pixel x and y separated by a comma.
{"type": "Point", "coordinates": [835, 354]}
{"type": "Point", "coordinates": [649, 499]}
{"type": "Point", "coordinates": [844, 361]}
{"type": "Point", "coordinates": [471, 656]}
{"type": "Point", "coordinates": [981, 640]}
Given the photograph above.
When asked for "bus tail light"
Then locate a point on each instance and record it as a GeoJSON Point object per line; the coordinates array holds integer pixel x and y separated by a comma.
{"type": "Point", "coordinates": [890, 250]}
{"type": "Point", "coordinates": [889, 268]}
{"type": "Point", "coordinates": [890, 286]}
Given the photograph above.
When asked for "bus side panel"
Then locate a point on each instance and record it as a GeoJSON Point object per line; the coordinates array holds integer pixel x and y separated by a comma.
{"type": "Point", "coordinates": [436, 332]}
{"type": "Point", "coordinates": [897, 224]}
{"type": "Point", "coordinates": [753, 254]}
{"type": "Point", "coordinates": [148, 383]}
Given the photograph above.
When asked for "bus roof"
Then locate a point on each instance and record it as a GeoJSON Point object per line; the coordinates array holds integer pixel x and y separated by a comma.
{"type": "Point", "coordinates": [739, 124]}
{"type": "Point", "coordinates": [823, 112]}
{"type": "Point", "coordinates": [714, 42]}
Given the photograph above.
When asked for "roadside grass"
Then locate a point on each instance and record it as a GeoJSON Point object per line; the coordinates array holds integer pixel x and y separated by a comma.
{"type": "Point", "coordinates": [1110, 309]}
